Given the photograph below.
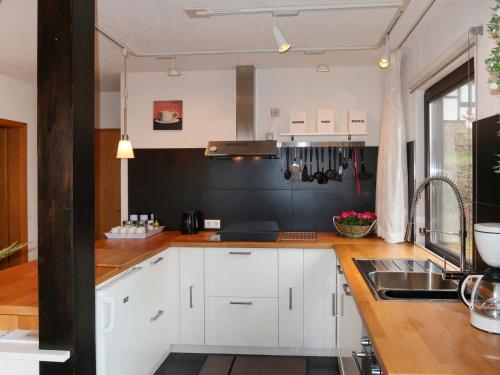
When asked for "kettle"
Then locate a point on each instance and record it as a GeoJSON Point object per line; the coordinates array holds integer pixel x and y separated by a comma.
{"type": "Point", "coordinates": [191, 222]}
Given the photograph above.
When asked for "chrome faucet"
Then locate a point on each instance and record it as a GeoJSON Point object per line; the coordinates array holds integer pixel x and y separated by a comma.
{"type": "Point", "coordinates": [410, 227]}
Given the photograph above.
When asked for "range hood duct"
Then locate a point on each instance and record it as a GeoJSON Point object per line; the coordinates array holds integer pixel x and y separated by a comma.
{"type": "Point", "coordinates": [245, 144]}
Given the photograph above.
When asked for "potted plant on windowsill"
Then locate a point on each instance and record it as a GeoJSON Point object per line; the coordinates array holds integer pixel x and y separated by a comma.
{"type": "Point", "coordinates": [11, 249]}
{"type": "Point", "coordinates": [355, 224]}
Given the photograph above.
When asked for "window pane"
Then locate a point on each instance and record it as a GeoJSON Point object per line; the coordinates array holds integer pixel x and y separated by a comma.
{"type": "Point", "coordinates": [450, 140]}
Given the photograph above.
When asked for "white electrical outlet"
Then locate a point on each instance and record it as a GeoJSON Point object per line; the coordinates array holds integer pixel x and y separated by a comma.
{"type": "Point", "coordinates": [212, 224]}
{"type": "Point", "coordinates": [275, 112]}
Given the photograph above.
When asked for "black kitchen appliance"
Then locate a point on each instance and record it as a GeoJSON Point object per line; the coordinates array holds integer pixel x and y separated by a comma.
{"type": "Point", "coordinates": [191, 222]}
{"type": "Point", "coordinates": [249, 231]}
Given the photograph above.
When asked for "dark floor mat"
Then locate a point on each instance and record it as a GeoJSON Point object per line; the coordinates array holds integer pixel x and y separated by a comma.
{"type": "Point", "coordinates": [217, 365]}
{"type": "Point", "coordinates": [269, 365]}
{"type": "Point", "coordinates": [182, 364]}
{"type": "Point", "coordinates": [322, 366]}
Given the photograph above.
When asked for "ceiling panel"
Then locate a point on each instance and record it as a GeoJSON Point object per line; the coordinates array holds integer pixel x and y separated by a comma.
{"type": "Point", "coordinates": [163, 26]}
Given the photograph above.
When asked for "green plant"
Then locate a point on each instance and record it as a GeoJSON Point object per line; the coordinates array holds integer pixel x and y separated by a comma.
{"type": "Point", "coordinates": [493, 60]}
{"type": "Point", "coordinates": [356, 218]}
{"type": "Point", "coordinates": [11, 249]}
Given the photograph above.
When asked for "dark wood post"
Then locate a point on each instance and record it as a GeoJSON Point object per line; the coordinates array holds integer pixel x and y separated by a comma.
{"type": "Point", "coordinates": [66, 183]}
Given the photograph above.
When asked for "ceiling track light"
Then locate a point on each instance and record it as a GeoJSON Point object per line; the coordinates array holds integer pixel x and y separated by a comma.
{"type": "Point", "coordinates": [281, 41]}
{"type": "Point", "coordinates": [125, 149]}
{"type": "Point", "coordinates": [173, 71]}
{"type": "Point", "coordinates": [323, 68]}
{"type": "Point", "coordinates": [385, 58]}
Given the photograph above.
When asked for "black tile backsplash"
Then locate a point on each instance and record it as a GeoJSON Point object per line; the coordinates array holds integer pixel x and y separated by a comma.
{"type": "Point", "coordinates": [168, 181]}
{"type": "Point", "coordinates": [486, 182]}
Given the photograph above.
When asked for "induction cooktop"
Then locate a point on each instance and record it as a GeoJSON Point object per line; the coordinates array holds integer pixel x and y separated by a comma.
{"type": "Point", "coordinates": [248, 231]}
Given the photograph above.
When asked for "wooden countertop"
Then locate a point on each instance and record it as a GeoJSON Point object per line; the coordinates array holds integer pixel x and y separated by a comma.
{"type": "Point", "coordinates": [408, 337]}
{"type": "Point", "coordinates": [19, 285]}
{"type": "Point", "coordinates": [418, 337]}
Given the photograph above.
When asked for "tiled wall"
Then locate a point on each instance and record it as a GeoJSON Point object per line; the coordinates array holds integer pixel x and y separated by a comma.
{"type": "Point", "coordinates": [168, 181]}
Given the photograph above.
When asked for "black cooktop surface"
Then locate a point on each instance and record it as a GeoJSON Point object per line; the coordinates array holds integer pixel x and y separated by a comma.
{"type": "Point", "coordinates": [249, 231]}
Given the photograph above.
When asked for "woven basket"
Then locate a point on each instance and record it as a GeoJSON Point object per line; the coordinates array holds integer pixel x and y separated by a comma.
{"type": "Point", "coordinates": [354, 231]}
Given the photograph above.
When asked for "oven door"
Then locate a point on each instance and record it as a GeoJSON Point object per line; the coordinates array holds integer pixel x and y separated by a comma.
{"type": "Point", "coordinates": [365, 362]}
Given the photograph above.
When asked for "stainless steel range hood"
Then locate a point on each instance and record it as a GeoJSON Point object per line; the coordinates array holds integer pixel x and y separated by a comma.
{"type": "Point", "coordinates": [245, 144]}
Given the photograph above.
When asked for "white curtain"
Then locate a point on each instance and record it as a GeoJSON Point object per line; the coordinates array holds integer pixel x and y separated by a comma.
{"type": "Point", "coordinates": [392, 172]}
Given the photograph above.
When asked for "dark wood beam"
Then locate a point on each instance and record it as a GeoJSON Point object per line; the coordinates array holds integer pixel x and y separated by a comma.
{"type": "Point", "coordinates": [66, 183]}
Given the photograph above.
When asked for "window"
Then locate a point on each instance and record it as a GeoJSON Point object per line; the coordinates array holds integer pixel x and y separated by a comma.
{"type": "Point", "coordinates": [449, 113]}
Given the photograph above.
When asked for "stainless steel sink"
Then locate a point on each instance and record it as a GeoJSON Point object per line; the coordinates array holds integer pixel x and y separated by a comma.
{"type": "Point", "coordinates": [406, 279]}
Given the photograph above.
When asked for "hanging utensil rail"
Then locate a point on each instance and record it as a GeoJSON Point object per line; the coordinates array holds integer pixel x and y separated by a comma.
{"type": "Point", "coordinates": [306, 144]}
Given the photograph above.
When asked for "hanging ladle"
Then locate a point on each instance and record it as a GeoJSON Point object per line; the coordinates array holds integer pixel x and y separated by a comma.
{"type": "Point", "coordinates": [287, 173]}
{"type": "Point", "coordinates": [295, 164]}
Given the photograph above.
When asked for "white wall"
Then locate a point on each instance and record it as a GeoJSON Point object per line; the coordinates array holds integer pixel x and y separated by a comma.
{"type": "Point", "coordinates": [209, 103]}
{"type": "Point", "coordinates": [18, 103]}
{"type": "Point", "coordinates": [107, 110]}
{"type": "Point", "coordinates": [343, 88]}
{"type": "Point", "coordinates": [210, 98]}
{"type": "Point", "coordinates": [446, 23]}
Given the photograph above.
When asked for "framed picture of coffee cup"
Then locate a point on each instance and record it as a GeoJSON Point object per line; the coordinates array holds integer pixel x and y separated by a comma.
{"type": "Point", "coordinates": [167, 115]}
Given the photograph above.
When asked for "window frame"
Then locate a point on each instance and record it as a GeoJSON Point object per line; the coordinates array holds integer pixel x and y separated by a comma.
{"type": "Point", "coordinates": [459, 77]}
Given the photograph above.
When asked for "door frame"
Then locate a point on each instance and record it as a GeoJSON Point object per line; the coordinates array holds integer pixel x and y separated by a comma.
{"type": "Point", "coordinates": [20, 217]}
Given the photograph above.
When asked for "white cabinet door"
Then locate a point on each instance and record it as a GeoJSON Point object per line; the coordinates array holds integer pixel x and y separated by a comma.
{"type": "Point", "coordinates": [291, 297]}
{"type": "Point", "coordinates": [241, 272]}
{"type": "Point", "coordinates": [241, 321]}
{"type": "Point", "coordinates": [119, 332]}
{"type": "Point", "coordinates": [319, 298]}
{"type": "Point", "coordinates": [156, 343]}
{"type": "Point", "coordinates": [173, 299]}
{"type": "Point", "coordinates": [349, 324]}
{"type": "Point", "coordinates": [192, 293]}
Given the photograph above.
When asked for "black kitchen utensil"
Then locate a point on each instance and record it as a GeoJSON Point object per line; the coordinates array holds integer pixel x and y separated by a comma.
{"type": "Point", "coordinates": [305, 172]}
{"type": "Point", "coordinates": [335, 163]}
{"type": "Point", "coordinates": [364, 175]}
{"type": "Point", "coordinates": [345, 163]}
{"type": "Point", "coordinates": [311, 174]}
{"type": "Point", "coordinates": [287, 173]}
{"type": "Point", "coordinates": [339, 175]}
{"type": "Point", "coordinates": [295, 164]}
{"type": "Point", "coordinates": [330, 174]}
{"type": "Point", "coordinates": [318, 175]}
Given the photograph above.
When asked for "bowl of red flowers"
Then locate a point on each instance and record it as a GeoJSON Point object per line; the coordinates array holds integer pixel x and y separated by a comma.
{"type": "Point", "coordinates": [355, 224]}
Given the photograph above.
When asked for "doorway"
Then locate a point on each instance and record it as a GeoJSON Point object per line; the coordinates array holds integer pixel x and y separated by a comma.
{"type": "Point", "coordinates": [107, 181]}
{"type": "Point", "coordinates": [13, 189]}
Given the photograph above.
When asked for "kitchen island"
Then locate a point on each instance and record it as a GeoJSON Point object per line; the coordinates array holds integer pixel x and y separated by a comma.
{"type": "Point", "coordinates": [408, 337]}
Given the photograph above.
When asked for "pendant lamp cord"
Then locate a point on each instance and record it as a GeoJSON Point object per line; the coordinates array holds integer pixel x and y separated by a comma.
{"type": "Point", "coordinates": [125, 92]}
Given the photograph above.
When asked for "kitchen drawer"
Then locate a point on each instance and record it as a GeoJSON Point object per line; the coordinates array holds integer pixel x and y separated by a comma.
{"type": "Point", "coordinates": [241, 272]}
{"type": "Point", "coordinates": [234, 321]}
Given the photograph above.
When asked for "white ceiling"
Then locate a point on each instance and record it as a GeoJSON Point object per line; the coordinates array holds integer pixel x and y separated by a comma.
{"type": "Point", "coordinates": [162, 26]}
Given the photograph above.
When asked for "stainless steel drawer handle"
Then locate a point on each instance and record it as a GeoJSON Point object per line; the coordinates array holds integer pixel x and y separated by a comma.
{"type": "Point", "coordinates": [240, 253]}
{"type": "Point", "coordinates": [356, 357]}
{"type": "Point", "coordinates": [347, 289]}
{"type": "Point", "coordinates": [290, 296]}
{"type": "Point", "coordinates": [157, 261]}
{"type": "Point", "coordinates": [160, 313]}
{"type": "Point", "coordinates": [339, 269]}
{"type": "Point", "coordinates": [191, 296]}
{"type": "Point", "coordinates": [249, 303]}
{"type": "Point", "coordinates": [334, 304]}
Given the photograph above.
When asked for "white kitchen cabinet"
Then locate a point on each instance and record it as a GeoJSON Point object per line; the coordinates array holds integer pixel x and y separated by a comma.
{"type": "Point", "coordinates": [319, 299]}
{"type": "Point", "coordinates": [156, 288]}
{"type": "Point", "coordinates": [173, 298]}
{"type": "Point", "coordinates": [119, 332]}
{"type": "Point", "coordinates": [291, 297]}
{"type": "Point", "coordinates": [232, 321]}
{"type": "Point", "coordinates": [241, 272]}
{"type": "Point", "coordinates": [192, 296]}
{"type": "Point", "coordinates": [349, 324]}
